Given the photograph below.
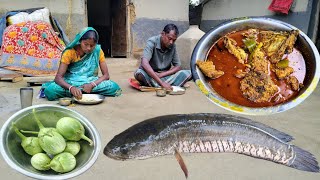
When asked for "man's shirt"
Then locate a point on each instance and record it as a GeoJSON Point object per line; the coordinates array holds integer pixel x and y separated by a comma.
{"type": "Point", "coordinates": [160, 60]}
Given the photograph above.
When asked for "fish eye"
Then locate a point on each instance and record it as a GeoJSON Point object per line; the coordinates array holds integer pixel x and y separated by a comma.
{"type": "Point", "coordinates": [124, 150]}
{"type": "Point", "coordinates": [116, 149]}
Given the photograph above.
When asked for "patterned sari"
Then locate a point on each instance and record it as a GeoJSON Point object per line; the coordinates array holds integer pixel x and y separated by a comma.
{"type": "Point", "coordinates": [82, 72]}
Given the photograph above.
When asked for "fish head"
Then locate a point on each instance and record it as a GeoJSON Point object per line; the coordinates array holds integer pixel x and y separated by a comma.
{"type": "Point", "coordinates": [116, 153]}
{"type": "Point", "coordinates": [122, 149]}
{"type": "Point", "coordinates": [140, 141]}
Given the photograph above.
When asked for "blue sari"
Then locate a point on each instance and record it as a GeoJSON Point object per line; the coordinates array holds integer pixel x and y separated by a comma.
{"type": "Point", "coordinates": [82, 72]}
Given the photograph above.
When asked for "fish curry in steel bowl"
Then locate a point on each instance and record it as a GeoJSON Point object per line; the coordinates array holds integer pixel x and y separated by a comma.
{"type": "Point", "coordinates": [256, 66]}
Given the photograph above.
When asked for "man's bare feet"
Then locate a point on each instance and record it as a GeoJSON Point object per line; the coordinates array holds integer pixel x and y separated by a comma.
{"type": "Point", "coordinates": [186, 85]}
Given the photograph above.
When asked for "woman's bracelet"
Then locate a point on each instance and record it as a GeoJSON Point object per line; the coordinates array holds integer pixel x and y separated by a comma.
{"type": "Point", "coordinates": [93, 83]}
{"type": "Point", "coordinates": [70, 88]}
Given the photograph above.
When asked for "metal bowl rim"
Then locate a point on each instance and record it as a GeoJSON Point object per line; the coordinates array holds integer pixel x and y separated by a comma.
{"type": "Point", "coordinates": [87, 165]}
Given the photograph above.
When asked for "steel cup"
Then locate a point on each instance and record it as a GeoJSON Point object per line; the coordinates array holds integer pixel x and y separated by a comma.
{"type": "Point", "coordinates": [26, 95]}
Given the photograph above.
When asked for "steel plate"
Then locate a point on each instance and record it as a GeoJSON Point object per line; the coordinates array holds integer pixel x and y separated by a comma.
{"type": "Point", "coordinates": [90, 99]}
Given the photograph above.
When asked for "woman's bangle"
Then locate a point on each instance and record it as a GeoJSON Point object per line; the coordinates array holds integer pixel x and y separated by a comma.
{"type": "Point", "coordinates": [70, 88]}
{"type": "Point", "coordinates": [93, 83]}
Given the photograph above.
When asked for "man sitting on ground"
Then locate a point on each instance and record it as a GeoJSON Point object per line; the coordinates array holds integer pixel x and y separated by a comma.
{"type": "Point", "coordinates": [160, 65]}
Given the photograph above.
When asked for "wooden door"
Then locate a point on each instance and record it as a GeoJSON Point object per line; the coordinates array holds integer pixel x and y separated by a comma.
{"type": "Point", "coordinates": [119, 29]}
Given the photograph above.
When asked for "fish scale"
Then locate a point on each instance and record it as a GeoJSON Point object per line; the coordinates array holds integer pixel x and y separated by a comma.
{"type": "Point", "coordinates": [237, 147]}
{"type": "Point", "coordinates": [208, 133]}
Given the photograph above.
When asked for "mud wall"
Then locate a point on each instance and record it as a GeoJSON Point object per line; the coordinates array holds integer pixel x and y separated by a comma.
{"type": "Point", "coordinates": [303, 13]}
{"type": "Point", "coordinates": [61, 10]}
{"type": "Point", "coordinates": [148, 17]}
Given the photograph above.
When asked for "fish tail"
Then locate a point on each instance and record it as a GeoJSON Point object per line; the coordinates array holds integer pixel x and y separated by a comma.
{"type": "Point", "coordinates": [303, 160]}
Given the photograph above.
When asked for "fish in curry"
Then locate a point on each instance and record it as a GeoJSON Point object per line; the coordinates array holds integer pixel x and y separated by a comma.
{"type": "Point", "coordinates": [254, 64]}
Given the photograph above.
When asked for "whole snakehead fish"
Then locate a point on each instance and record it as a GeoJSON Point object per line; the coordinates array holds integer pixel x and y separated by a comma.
{"type": "Point", "coordinates": [204, 133]}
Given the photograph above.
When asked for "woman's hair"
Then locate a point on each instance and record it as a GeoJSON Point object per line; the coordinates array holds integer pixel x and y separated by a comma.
{"type": "Point", "coordinates": [90, 35]}
{"type": "Point", "coordinates": [170, 27]}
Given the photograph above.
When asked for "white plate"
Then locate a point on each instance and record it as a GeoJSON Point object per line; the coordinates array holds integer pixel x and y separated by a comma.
{"type": "Point", "coordinates": [90, 99]}
{"type": "Point", "coordinates": [177, 90]}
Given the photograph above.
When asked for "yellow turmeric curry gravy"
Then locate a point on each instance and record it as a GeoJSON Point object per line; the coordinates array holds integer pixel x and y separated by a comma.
{"type": "Point", "coordinates": [228, 85]}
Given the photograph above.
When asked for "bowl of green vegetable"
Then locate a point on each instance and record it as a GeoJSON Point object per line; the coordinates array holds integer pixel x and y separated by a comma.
{"type": "Point", "coordinates": [49, 142]}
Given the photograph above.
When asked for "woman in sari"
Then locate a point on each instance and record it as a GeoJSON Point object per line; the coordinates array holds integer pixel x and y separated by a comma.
{"type": "Point", "coordinates": [78, 70]}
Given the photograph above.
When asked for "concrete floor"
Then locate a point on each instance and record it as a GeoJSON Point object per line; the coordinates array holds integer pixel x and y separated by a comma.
{"type": "Point", "coordinates": [117, 114]}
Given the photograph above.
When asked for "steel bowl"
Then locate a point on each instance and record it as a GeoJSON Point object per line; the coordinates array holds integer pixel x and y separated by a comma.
{"type": "Point", "coordinates": [308, 50]}
{"type": "Point", "coordinates": [66, 101]}
{"type": "Point", "coordinates": [17, 159]}
{"type": "Point", "coordinates": [161, 92]}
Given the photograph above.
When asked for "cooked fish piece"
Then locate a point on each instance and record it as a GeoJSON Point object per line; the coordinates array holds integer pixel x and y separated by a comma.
{"type": "Point", "coordinates": [240, 74]}
{"type": "Point", "coordinates": [278, 43]}
{"type": "Point", "coordinates": [209, 70]}
{"type": "Point", "coordinates": [258, 87]}
{"type": "Point", "coordinates": [291, 40]}
{"type": "Point", "coordinates": [294, 83]}
{"type": "Point", "coordinates": [276, 57]}
{"type": "Point", "coordinates": [251, 34]}
{"type": "Point", "coordinates": [273, 39]}
{"type": "Point", "coordinates": [238, 52]}
{"type": "Point", "coordinates": [266, 35]}
{"type": "Point", "coordinates": [283, 72]}
{"type": "Point", "coordinates": [258, 61]}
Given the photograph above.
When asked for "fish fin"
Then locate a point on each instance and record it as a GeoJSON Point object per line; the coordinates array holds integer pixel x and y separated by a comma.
{"type": "Point", "coordinates": [280, 135]}
{"type": "Point", "coordinates": [304, 160]}
{"type": "Point", "coordinates": [181, 162]}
